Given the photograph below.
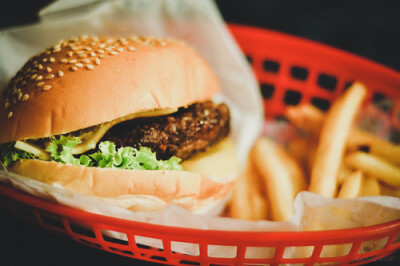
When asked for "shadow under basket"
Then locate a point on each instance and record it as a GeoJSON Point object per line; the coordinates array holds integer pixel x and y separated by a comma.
{"type": "Point", "coordinates": [290, 71]}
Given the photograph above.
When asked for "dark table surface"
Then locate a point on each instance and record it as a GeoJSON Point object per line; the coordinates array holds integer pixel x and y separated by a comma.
{"type": "Point", "coordinates": [367, 28]}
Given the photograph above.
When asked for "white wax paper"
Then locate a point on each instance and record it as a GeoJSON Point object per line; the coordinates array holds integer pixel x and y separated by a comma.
{"type": "Point", "coordinates": [199, 24]}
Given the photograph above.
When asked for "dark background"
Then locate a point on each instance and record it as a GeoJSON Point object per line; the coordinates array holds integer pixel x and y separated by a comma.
{"type": "Point", "coordinates": [367, 28]}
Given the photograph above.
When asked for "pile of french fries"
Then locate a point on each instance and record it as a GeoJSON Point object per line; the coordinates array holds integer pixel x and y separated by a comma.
{"type": "Point", "coordinates": [332, 158]}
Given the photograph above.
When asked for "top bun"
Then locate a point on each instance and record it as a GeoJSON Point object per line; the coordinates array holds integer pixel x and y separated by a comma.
{"type": "Point", "coordinates": [86, 81]}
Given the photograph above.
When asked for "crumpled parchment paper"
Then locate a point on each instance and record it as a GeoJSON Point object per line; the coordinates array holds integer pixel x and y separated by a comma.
{"type": "Point", "coordinates": [199, 24]}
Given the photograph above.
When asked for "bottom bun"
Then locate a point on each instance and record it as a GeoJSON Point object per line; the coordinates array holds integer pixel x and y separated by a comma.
{"type": "Point", "coordinates": [206, 180]}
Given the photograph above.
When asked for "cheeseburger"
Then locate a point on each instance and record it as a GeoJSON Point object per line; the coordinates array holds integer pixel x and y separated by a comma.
{"type": "Point", "coordinates": [129, 120]}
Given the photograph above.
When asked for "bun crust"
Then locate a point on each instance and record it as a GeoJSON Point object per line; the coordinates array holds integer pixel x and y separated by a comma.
{"type": "Point", "coordinates": [84, 82]}
{"type": "Point", "coordinates": [141, 190]}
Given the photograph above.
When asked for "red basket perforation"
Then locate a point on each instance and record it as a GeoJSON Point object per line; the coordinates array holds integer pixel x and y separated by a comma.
{"type": "Point", "coordinates": [290, 71]}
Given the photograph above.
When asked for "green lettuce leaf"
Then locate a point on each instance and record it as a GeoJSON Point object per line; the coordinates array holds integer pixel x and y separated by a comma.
{"type": "Point", "coordinates": [61, 149]}
{"type": "Point", "coordinates": [106, 156]}
{"type": "Point", "coordinates": [11, 154]}
{"type": "Point", "coordinates": [129, 158]}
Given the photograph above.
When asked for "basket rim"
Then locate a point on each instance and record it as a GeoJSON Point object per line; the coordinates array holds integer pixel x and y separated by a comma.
{"type": "Point", "coordinates": [93, 218]}
{"type": "Point", "coordinates": [258, 32]}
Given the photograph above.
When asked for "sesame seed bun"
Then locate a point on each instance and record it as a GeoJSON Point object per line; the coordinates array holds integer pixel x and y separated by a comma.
{"type": "Point", "coordinates": [87, 81]}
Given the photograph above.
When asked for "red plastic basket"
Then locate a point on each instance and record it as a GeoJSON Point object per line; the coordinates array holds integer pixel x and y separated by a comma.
{"type": "Point", "coordinates": [290, 71]}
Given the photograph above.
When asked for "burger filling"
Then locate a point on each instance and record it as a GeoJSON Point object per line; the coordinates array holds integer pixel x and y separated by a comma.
{"type": "Point", "coordinates": [149, 142]}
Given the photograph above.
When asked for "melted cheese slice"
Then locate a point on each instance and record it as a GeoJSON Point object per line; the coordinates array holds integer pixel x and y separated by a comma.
{"type": "Point", "coordinates": [91, 136]}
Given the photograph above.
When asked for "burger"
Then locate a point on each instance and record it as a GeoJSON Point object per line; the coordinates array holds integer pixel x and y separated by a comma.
{"type": "Point", "coordinates": [132, 121]}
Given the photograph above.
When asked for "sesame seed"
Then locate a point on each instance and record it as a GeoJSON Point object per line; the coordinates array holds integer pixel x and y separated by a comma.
{"type": "Point", "coordinates": [72, 61]}
{"type": "Point", "coordinates": [52, 59]}
{"type": "Point", "coordinates": [102, 56]}
{"type": "Point", "coordinates": [25, 98]}
{"type": "Point", "coordinates": [33, 70]}
{"type": "Point", "coordinates": [60, 73]}
{"type": "Point", "coordinates": [131, 48]}
{"type": "Point", "coordinates": [40, 66]}
{"type": "Point", "coordinates": [23, 82]}
{"type": "Point", "coordinates": [46, 88]}
{"type": "Point", "coordinates": [10, 114]}
{"type": "Point", "coordinates": [82, 55]}
{"type": "Point", "coordinates": [48, 52]}
{"type": "Point", "coordinates": [109, 40]}
{"type": "Point", "coordinates": [109, 48]}
{"type": "Point", "coordinates": [80, 52]}
{"type": "Point", "coordinates": [44, 60]}
{"type": "Point", "coordinates": [74, 68]}
{"type": "Point", "coordinates": [97, 61]}
{"type": "Point", "coordinates": [28, 69]}
{"type": "Point", "coordinates": [50, 76]}
{"type": "Point", "coordinates": [40, 84]}
{"type": "Point", "coordinates": [100, 51]}
{"type": "Point", "coordinates": [102, 45]}
{"type": "Point", "coordinates": [56, 50]}
{"type": "Point", "coordinates": [70, 54]}
{"type": "Point", "coordinates": [92, 53]}
{"type": "Point", "coordinates": [120, 49]}
{"type": "Point", "coordinates": [64, 60]}
{"type": "Point", "coordinates": [40, 77]}
{"type": "Point", "coordinates": [48, 69]}
{"type": "Point", "coordinates": [6, 104]}
{"type": "Point", "coordinates": [33, 76]}
{"type": "Point", "coordinates": [89, 66]}
{"type": "Point", "coordinates": [113, 52]}
{"type": "Point", "coordinates": [74, 48]}
{"type": "Point", "coordinates": [93, 43]}
{"type": "Point", "coordinates": [19, 95]}
{"type": "Point", "coordinates": [79, 65]}
{"type": "Point", "coordinates": [86, 61]}
{"type": "Point", "coordinates": [88, 48]}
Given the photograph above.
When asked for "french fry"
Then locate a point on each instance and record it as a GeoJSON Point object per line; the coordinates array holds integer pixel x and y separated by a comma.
{"type": "Point", "coordinates": [296, 173]}
{"type": "Point", "coordinates": [334, 132]}
{"type": "Point", "coordinates": [302, 150]}
{"type": "Point", "coordinates": [247, 201]}
{"type": "Point", "coordinates": [298, 148]}
{"type": "Point", "coordinates": [351, 187]}
{"type": "Point", "coordinates": [310, 119]}
{"type": "Point", "coordinates": [306, 117]}
{"type": "Point", "coordinates": [375, 145]}
{"type": "Point", "coordinates": [343, 172]}
{"type": "Point", "coordinates": [280, 177]}
{"type": "Point", "coordinates": [375, 167]}
{"type": "Point", "coordinates": [370, 187]}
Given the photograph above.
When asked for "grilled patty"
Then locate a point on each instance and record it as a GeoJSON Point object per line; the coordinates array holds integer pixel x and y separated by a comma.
{"type": "Point", "coordinates": [184, 133]}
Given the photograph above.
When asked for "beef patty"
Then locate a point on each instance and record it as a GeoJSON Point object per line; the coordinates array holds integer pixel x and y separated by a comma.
{"type": "Point", "coordinates": [184, 133]}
